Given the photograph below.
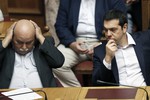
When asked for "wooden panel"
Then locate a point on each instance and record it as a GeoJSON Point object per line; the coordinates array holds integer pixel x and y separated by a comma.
{"type": "Point", "coordinates": [25, 6]}
{"type": "Point", "coordinates": [3, 28]}
{"type": "Point", "coordinates": [4, 7]}
{"type": "Point", "coordinates": [145, 14]}
{"type": "Point", "coordinates": [28, 9]}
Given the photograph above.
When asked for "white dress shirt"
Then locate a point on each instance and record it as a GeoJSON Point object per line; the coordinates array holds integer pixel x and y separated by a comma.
{"type": "Point", "coordinates": [1, 16]}
{"type": "Point", "coordinates": [86, 22]}
{"type": "Point", "coordinates": [128, 65]}
{"type": "Point", "coordinates": [25, 72]}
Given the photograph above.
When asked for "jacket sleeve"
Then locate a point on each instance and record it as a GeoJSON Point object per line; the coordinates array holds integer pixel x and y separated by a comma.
{"type": "Point", "coordinates": [118, 4]}
{"type": "Point", "coordinates": [100, 72]}
{"type": "Point", "coordinates": [53, 56]}
{"type": "Point", "coordinates": [2, 52]}
{"type": "Point", "coordinates": [63, 30]}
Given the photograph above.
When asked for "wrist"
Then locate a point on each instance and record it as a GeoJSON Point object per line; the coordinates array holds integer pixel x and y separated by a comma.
{"type": "Point", "coordinates": [41, 38]}
{"type": "Point", "coordinates": [108, 59]}
{"type": "Point", "coordinates": [5, 42]}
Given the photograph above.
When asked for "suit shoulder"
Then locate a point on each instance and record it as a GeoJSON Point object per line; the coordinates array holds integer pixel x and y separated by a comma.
{"type": "Point", "coordinates": [101, 46]}
{"type": "Point", "coordinates": [142, 35]}
{"type": "Point", "coordinates": [99, 49]}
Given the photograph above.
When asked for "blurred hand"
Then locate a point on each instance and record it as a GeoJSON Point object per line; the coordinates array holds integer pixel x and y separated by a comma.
{"type": "Point", "coordinates": [78, 47]}
{"type": "Point", "coordinates": [38, 32]}
{"type": "Point", "coordinates": [9, 35]}
{"type": "Point", "coordinates": [111, 48]}
{"type": "Point", "coordinates": [130, 1]}
{"type": "Point", "coordinates": [91, 50]}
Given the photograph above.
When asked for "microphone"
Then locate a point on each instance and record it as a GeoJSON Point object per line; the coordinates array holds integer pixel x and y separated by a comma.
{"type": "Point", "coordinates": [2, 97]}
{"type": "Point", "coordinates": [115, 84]}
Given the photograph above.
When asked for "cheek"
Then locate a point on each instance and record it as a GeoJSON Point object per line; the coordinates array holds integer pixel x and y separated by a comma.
{"type": "Point", "coordinates": [30, 47]}
{"type": "Point", "coordinates": [117, 36]}
{"type": "Point", "coordinates": [16, 46]}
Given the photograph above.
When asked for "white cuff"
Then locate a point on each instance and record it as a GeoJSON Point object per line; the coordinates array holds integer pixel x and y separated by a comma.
{"type": "Point", "coordinates": [108, 66]}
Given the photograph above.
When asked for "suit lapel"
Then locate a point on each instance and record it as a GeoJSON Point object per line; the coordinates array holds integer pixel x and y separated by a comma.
{"type": "Point", "coordinates": [36, 59]}
{"type": "Point", "coordinates": [75, 11]}
{"type": "Point", "coordinates": [139, 52]}
{"type": "Point", "coordinates": [11, 60]}
{"type": "Point", "coordinates": [115, 69]}
{"type": "Point", "coordinates": [100, 10]}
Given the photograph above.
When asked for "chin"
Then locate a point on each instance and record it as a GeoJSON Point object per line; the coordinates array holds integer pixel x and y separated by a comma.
{"type": "Point", "coordinates": [22, 53]}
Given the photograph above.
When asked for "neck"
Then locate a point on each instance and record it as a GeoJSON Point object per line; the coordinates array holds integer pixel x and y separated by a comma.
{"type": "Point", "coordinates": [124, 41]}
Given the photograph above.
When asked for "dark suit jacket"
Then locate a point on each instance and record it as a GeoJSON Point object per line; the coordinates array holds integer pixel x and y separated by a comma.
{"type": "Point", "coordinates": [46, 57]}
{"type": "Point", "coordinates": [142, 50]}
{"type": "Point", "coordinates": [67, 18]}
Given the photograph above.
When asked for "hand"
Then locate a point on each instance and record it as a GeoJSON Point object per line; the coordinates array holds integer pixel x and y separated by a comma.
{"type": "Point", "coordinates": [91, 50]}
{"type": "Point", "coordinates": [76, 46]}
{"type": "Point", "coordinates": [111, 48]}
{"type": "Point", "coordinates": [130, 1]}
{"type": "Point", "coordinates": [38, 32]}
{"type": "Point", "coordinates": [9, 35]}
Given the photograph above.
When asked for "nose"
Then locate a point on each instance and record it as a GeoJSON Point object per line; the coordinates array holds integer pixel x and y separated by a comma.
{"type": "Point", "coordinates": [109, 33]}
{"type": "Point", "coordinates": [24, 46]}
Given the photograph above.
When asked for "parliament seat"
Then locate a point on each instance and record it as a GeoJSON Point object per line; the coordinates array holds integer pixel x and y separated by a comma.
{"type": "Point", "coordinates": [84, 69]}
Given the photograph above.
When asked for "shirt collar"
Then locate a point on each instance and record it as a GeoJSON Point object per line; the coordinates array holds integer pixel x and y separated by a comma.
{"type": "Point", "coordinates": [130, 41]}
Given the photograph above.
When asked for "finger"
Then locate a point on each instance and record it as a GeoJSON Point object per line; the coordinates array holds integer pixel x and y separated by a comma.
{"type": "Point", "coordinates": [84, 52]}
{"type": "Point", "coordinates": [90, 52]}
{"type": "Point", "coordinates": [35, 25]}
{"type": "Point", "coordinates": [111, 42]}
{"type": "Point", "coordinates": [111, 45]}
{"type": "Point", "coordinates": [13, 26]}
{"type": "Point", "coordinates": [128, 1]}
{"type": "Point", "coordinates": [38, 29]}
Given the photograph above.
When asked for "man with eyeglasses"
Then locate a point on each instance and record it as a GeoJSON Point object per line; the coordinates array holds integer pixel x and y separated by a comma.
{"type": "Point", "coordinates": [27, 57]}
{"type": "Point", "coordinates": [123, 58]}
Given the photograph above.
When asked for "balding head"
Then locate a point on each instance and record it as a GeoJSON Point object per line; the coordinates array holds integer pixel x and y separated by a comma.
{"type": "Point", "coordinates": [24, 28]}
{"type": "Point", "coordinates": [24, 36]}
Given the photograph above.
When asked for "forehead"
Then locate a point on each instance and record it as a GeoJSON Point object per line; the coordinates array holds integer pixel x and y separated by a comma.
{"type": "Point", "coordinates": [24, 31]}
{"type": "Point", "coordinates": [111, 23]}
{"type": "Point", "coordinates": [23, 37]}
{"type": "Point", "coordinates": [24, 27]}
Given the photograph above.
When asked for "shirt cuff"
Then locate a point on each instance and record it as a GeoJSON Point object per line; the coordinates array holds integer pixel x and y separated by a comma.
{"type": "Point", "coordinates": [108, 66]}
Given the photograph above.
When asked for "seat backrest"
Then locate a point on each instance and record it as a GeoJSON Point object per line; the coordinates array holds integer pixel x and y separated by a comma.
{"type": "Point", "coordinates": [51, 14]}
{"type": "Point", "coordinates": [4, 8]}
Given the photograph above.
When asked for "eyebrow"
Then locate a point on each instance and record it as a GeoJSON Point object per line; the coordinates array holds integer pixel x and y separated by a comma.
{"type": "Point", "coordinates": [32, 24]}
{"type": "Point", "coordinates": [109, 28]}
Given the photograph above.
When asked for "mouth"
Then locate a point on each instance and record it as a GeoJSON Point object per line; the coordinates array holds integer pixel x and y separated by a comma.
{"type": "Point", "coordinates": [109, 38]}
{"type": "Point", "coordinates": [22, 52]}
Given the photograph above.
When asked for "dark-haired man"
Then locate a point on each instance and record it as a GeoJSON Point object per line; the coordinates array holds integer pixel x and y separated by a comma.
{"type": "Point", "coordinates": [123, 58]}
{"type": "Point", "coordinates": [79, 24]}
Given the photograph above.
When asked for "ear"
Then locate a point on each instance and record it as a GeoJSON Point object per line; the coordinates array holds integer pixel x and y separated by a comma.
{"type": "Point", "coordinates": [125, 27]}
